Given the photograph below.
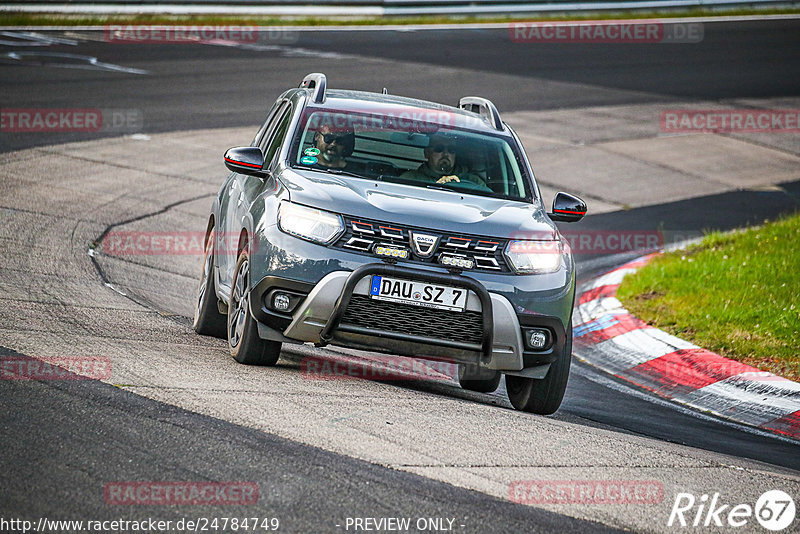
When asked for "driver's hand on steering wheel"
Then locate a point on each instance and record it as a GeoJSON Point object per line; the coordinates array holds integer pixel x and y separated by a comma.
{"type": "Point", "coordinates": [449, 178]}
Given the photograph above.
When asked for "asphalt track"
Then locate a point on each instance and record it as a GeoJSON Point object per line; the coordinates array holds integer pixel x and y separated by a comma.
{"type": "Point", "coordinates": [58, 438]}
{"type": "Point", "coordinates": [194, 87]}
{"type": "Point", "coordinates": [63, 438]}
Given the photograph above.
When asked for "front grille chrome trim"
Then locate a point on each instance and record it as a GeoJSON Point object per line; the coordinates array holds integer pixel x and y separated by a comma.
{"type": "Point", "coordinates": [486, 246]}
{"type": "Point", "coordinates": [487, 262]}
{"type": "Point", "coordinates": [362, 228]}
{"type": "Point", "coordinates": [458, 242]}
{"type": "Point", "coordinates": [362, 235]}
{"type": "Point", "coordinates": [391, 232]}
{"type": "Point", "coordinates": [358, 244]}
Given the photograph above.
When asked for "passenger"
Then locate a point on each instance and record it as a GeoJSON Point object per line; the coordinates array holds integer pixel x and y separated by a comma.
{"type": "Point", "coordinates": [440, 165]}
{"type": "Point", "coordinates": [334, 147]}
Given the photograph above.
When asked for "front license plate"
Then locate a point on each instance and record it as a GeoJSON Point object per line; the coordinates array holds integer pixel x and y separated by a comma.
{"type": "Point", "coordinates": [418, 293]}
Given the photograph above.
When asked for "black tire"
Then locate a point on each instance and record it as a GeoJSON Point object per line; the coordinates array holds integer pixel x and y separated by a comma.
{"type": "Point", "coordinates": [474, 378]}
{"type": "Point", "coordinates": [243, 341]}
{"type": "Point", "coordinates": [542, 396]}
{"type": "Point", "coordinates": [207, 318]}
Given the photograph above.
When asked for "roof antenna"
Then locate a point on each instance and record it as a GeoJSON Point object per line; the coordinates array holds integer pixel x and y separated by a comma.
{"type": "Point", "coordinates": [385, 91]}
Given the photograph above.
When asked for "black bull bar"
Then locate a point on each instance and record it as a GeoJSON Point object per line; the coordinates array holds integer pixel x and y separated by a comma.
{"type": "Point", "coordinates": [334, 321]}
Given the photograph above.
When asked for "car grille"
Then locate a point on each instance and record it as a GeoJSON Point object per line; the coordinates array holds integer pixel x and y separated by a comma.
{"type": "Point", "coordinates": [465, 327]}
{"type": "Point", "coordinates": [362, 236]}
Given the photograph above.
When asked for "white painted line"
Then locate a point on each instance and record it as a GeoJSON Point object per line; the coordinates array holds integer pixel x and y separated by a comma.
{"type": "Point", "coordinates": [434, 27]}
{"type": "Point", "coordinates": [180, 9]}
{"type": "Point", "coordinates": [25, 39]}
{"type": "Point", "coordinates": [111, 287]}
{"type": "Point", "coordinates": [67, 61]}
{"type": "Point", "coordinates": [285, 51]}
{"type": "Point", "coordinates": [378, 11]}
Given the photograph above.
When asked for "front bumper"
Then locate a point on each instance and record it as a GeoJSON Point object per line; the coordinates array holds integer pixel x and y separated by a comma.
{"type": "Point", "coordinates": [321, 317]}
{"type": "Point", "coordinates": [334, 324]}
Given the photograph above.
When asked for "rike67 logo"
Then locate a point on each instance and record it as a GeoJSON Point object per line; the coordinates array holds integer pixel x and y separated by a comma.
{"type": "Point", "coordinates": [774, 510]}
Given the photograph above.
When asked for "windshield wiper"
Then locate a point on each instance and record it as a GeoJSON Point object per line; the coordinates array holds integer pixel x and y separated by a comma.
{"type": "Point", "coordinates": [443, 187]}
{"type": "Point", "coordinates": [331, 170]}
{"type": "Point", "coordinates": [463, 190]}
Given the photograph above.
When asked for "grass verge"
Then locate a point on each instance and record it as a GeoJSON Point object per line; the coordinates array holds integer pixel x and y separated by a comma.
{"type": "Point", "coordinates": [56, 19]}
{"type": "Point", "coordinates": [736, 294]}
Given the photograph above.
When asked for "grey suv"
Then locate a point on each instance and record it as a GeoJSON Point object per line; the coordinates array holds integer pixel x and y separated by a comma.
{"type": "Point", "coordinates": [379, 245]}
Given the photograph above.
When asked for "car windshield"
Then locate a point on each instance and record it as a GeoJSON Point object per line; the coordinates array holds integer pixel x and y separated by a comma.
{"type": "Point", "coordinates": [419, 153]}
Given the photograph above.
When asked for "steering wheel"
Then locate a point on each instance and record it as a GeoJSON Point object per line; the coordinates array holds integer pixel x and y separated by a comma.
{"type": "Point", "coordinates": [467, 185]}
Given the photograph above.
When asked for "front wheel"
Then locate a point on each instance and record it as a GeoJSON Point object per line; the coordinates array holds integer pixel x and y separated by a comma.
{"type": "Point", "coordinates": [245, 345]}
{"type": "Point", "coordinates": [207, 318]}
{"type": "Point", "coordinates": [542, 396]}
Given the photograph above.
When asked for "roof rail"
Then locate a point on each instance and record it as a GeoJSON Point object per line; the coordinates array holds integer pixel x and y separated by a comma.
{"type": "Point", "coordinates": [317, 82]}
{"type": "Point", "coordinates": [484, 108]}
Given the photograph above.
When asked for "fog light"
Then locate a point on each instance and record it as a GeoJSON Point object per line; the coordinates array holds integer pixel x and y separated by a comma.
{"type": "Point", "coordinates": [391, 252]}
{"type": "Point", "coordinates": [538, 338]}
{"type": "Point", "coordinates": [460, 262]}
{"type": "Point", "coordinates": [281, 301]}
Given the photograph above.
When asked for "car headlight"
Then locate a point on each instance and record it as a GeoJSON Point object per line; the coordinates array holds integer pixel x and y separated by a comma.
{"type": "Point", "coordinates": [534, 257]}
{"type": "Point", "coordinates": [315, 225]}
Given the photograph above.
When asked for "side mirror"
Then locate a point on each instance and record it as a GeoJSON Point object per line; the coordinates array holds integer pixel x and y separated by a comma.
{"type": "Point", "coordinates": [567, 208]}
{"type": "Point", "coordinates": [245, 160]}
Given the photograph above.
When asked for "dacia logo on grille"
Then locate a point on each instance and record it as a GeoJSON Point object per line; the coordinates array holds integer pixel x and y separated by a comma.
{"type": "Point", "coordinates": [424, 244]}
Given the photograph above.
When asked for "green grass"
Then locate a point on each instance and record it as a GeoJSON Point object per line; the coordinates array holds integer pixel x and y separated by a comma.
{"type": "Point", "coordinates": [736, 294]}
{"type": "Point", "coordinates": [56, 19]}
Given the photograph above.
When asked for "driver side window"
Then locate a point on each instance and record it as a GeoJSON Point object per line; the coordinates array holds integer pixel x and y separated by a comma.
{"type": "Point", "coordinates": [259, 138]}
{"type": "Point", "coordinates": [277, 136]}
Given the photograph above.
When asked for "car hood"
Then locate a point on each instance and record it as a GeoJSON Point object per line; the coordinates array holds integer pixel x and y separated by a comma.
{"type": "Point", "coordinates": [416, 206]}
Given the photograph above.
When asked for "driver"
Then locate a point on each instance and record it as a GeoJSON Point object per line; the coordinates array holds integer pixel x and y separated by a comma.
{"type": "Point", "coordinates": [440, 165]}
{"type": "Point", "coordinates": [334, 147]}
